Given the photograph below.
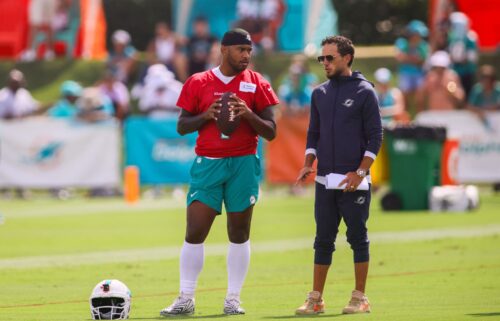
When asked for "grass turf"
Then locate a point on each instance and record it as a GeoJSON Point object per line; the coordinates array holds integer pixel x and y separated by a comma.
{"type": "Point", "coordinates": [415, 279]}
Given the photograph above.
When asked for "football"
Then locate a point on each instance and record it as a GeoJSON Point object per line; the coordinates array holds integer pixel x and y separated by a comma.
{"type": "Point", "coordinates": [226, 120]}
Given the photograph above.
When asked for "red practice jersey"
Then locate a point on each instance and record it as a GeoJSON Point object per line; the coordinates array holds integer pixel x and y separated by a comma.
{"type": "Point", "coordinates": [202, 89]}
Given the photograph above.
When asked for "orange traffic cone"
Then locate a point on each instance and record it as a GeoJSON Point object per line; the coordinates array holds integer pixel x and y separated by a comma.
{"type": "Point", "coordinates": [131, 184]}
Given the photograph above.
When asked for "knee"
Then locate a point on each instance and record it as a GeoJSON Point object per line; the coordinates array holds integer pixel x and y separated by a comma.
{"type": "Point", "coordinates": [324, 249]}
{"type": "Point", "coordinates": [361, 247]}
{"type": "Point", "coordinates": [195, 236]}
{"type": "Point", "coordinates": [238, 235]}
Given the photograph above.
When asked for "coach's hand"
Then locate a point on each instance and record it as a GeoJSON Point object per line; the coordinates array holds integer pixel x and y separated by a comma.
{"type": "Point", "coordinates": [304, 173]}
{"type": "Point", "coordinates": [352, 181]}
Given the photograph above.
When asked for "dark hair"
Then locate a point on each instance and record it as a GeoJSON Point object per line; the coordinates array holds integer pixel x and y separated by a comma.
{"type": "Point", "coordinates": [344, 46]}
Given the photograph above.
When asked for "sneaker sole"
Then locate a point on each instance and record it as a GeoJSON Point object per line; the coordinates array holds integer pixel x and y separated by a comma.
{"type": "Point", "coordinates": [355, 312]}
{"type": "Point", "coordinates": [308, 313]}
{"type": "Point", "coordinates": [179, 315]}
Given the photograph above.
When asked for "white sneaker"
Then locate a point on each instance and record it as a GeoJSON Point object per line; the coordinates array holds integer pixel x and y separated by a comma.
{"type": "Point", "coordinates": [232, 306]}
{"type": "Point", "coordinates": [314, 304]}
{"type": "Point", "coordinates": [358, 304]}
{"type": "Point", "coordinates": [183, 305]}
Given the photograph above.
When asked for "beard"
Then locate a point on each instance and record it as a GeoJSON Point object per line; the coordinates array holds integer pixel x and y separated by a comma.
{"type": "Point", "coordinates": [336, 74]}
{"type": "Point", "coordinates": [235, 65]}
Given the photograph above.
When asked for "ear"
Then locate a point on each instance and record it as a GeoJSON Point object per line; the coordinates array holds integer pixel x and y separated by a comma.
{"type": "Point", "coordinates": [347, 58]}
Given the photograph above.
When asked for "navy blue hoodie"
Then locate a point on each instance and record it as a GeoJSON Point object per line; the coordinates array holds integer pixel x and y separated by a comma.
{"type": "Point", "coordinates": [344, 124]}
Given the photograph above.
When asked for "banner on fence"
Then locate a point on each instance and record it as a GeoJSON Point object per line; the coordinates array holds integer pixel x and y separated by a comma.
{"type": "Point", "coordinates": [42, 152]}
{"type": "Point", "coordinates": [160, 153]}
{"type": "Point", "coordinates": [285, 154]}
{"type": "Point", "coordinates": [479, 142]}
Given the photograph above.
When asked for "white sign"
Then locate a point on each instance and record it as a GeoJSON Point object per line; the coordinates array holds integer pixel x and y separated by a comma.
{"type": "Point", "coordinates": [50, 153]}
{"type": "Point", "coordinates": [479, 151]}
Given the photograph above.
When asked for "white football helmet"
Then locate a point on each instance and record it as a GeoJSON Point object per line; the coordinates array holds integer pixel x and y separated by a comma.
{"type": "Point", "coordinates": [110, 300]}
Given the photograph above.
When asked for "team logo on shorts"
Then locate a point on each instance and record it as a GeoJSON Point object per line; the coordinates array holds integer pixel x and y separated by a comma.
{"type": "Point", "coordinates": [360, 200]}
{"type": "Point", "coordinates": [252, 199]}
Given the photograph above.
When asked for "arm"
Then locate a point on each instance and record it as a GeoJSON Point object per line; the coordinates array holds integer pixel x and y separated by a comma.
{"type": "Point", "coordinates": [312, 143]}
{"type": "Point", "coordinates": [399, 104]}
{"type": "Point", "coordinates": [455, 89]}
{"type": "Point", "coordinates": [189, 123]}
{"type": "Point", "coordinates": [263, 123]}
{"type": "Point", "coordinates": [420, 97]}
{"type": "Point", "coordinates": [372, 125]}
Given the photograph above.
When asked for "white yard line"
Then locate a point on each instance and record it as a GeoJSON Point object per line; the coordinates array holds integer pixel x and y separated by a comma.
{"type": "Point", "coordinates": [76, 209]}
{"type": "Point", "coordinates": [172, 252]}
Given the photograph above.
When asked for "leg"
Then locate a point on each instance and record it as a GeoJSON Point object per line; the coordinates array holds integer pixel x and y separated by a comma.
{"type": "Point", "coordinates": [204, 203]}
{"type": "Point", "coordinates": [355, 211]}
{"type": "Point", "coordinates": [241, 193]}
{"type": "Point", "coordinates": [361, 273]}
{"type": "Point", "coordinates": [238, 258]}
{"type": "Point", "coordinates": [319, 277]}
{"type": "Point", "coordinates": [238, 225]}
{"type": "Point", "coordinates": [199, 220]}
{"type": "Point", "coordinates": [327, 219]}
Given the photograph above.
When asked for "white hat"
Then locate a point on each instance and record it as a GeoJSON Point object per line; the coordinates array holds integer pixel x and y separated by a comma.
{"type": "Point", "coordinates": [158, 74]}
{"type": "Point", "coordinates": [157, 69]}
{"type": "Point", "coordinates": [90, 99]}
{"type": "Point", "coordinates": [383, 75]}
{"type": "Point", "coordinates": [440, 59]}
{"type": "Point", "coordinates": [121, 36]}
{"type": "Point", "coordinates": [459, 18]}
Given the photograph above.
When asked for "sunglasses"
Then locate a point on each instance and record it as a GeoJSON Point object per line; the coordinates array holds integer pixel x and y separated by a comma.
{"type": "Point", "coordinates": [328, 58]}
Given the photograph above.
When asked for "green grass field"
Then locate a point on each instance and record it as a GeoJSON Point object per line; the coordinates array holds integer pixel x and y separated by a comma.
{"type": "Point", "coordinates": [424, 266]}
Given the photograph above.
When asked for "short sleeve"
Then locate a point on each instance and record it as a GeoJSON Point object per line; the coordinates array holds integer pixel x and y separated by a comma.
{"type": "Point", "coordinates": [265, 95]}
{"type": "Point", "coordinates": [188, 100]}
{"type": "Point", "coordinates": [401, 44]}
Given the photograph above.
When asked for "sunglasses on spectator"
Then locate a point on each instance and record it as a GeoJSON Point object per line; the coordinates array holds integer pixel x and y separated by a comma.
{"type": "Point", "coordinates": [328, 58]}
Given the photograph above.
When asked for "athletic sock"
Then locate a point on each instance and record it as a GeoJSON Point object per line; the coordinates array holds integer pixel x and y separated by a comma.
{"type": "Point", "coordinates": [238, 260]}
{"type": "Point", "coordinates": [191, 264]}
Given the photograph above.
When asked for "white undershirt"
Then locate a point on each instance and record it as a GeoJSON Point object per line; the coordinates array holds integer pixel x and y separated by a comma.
{"type": "Point", "coordinates": [225, 79]}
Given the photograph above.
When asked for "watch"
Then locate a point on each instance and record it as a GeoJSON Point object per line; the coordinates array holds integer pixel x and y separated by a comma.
{"type": "Point", "coordinates": [361, 173]}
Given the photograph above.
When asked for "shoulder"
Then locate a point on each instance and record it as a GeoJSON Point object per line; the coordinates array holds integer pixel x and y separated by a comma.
{"type": "Point", "coordinates": [23, 92]}
{"type": "Point", "coordinates": [255, 76]}
{"type": "Point", "coordinates": [401, 43]}
{"type": "Point", "coordinates": [199, 78]}
{"type": "Point", "coordinates": [361, 84]}
{"type": "Point", "coordinates": [4, 92]}
{"type": "Point", "coordinates": [322, 88]}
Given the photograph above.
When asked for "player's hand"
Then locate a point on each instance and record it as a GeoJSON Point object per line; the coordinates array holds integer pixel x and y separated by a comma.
{"type": "Point", "coordinates": [352, 181]}
{"type": "Point", "coordinates": [213, 110]}
{"type": "Point", "coordinates": [239, 106]}
{"type": "Point", "coordinates": [304, 173]}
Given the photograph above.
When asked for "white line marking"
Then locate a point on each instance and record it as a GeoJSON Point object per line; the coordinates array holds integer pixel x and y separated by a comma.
{"type": "Point", "coordinates": [172, 252]}
{"type": "Point", "coordinates": [77, 209]}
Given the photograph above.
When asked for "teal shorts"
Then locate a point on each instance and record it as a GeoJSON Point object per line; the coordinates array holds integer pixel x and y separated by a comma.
{"type": "Point", "coordinates": [232, 180]}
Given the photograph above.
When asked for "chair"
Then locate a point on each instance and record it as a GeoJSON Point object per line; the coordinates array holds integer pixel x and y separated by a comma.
{"type": "Point", "coordinates": [13, 26]}
{"type": "Point", "coordinates": [69, 34]}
